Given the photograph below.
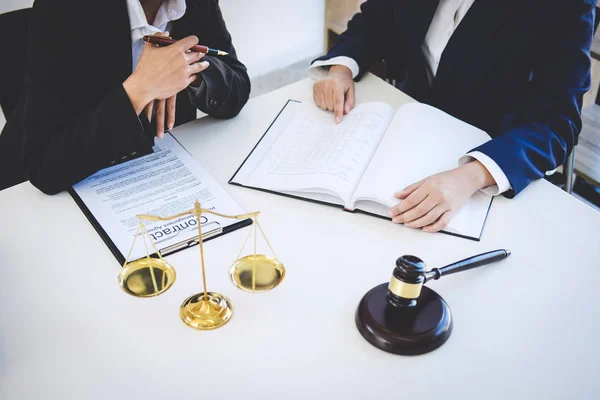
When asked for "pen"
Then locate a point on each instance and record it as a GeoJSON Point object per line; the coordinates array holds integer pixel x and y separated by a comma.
{"type": "Point", "coordinates": [165, 41]}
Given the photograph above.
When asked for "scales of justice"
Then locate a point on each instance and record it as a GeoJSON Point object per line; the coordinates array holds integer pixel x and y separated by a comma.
{"type": "Point", "coordinates": [150, 276]}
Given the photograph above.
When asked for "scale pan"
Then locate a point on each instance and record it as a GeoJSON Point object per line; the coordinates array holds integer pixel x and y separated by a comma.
{"type": "Point", "coordinates": [136, 278]}
{"type": "Point", "coordinates": [268, 273]}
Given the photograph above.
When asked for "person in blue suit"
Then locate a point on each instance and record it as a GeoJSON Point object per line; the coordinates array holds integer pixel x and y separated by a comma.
{"type": "Point", "coordinates": [517, 69]}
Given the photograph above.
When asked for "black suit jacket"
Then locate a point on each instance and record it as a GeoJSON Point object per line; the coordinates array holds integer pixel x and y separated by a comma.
{"type": "Point", "coordinates": [74, 116]}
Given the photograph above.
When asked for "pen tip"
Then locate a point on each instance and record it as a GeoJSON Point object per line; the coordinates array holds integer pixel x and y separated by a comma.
{"type": "Point", "coordinates": [222, 53]}
{"type": "Point", "coordinates": [508, 253]}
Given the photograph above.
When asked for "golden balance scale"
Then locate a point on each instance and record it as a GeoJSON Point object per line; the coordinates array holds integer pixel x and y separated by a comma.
{"type": "Point", "coordinates": [150, 276]}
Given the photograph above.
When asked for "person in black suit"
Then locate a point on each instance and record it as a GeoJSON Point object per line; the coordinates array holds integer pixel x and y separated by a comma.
{"type": "Point", "coordinates": [96, 95]}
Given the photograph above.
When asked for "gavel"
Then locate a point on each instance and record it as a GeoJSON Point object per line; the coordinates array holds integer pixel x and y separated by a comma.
{"type": "Point", "coordinates": [404, 316]}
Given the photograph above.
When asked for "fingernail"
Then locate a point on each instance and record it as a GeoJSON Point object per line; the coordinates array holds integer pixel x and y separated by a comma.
{"type": "Point", "coordinates": [347, 108]}
{"type": "Point", "coordinates": [337, 120]}
{"type": "Point", "coordinates": [390, 213]}
{"type": "Point", "coordinates": [204, 64]}
{"type": "Point", "coordinates": [425, 229]}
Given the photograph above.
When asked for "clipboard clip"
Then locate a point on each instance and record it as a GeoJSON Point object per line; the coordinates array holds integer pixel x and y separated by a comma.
{"type": "Point", "coordinates": [192, 242]}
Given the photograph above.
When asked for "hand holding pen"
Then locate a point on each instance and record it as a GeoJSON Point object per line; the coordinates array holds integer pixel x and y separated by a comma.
{"type": "Point", "coordinates": [160, 74]}
{"type": "Point", "coordinates": [166, 40]}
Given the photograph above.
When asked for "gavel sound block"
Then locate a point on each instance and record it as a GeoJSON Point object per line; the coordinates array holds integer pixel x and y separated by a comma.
{"type": "Point", "coordinates": [404, 316]}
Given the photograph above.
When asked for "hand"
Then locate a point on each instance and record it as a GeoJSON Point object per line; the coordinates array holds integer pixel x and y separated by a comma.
{"type": "Point", "coordinates": [160, 114]}
{"type": "Point", "coordinates": [432, 202]}
{"type": "Point", "coordinates": [163, 72]}
{"type": "Point", "coordinates": [336, 92]}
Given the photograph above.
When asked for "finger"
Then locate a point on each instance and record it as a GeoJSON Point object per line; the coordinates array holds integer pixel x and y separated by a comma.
{"type": "Point", "coordinates": [329, 95]}
{"type": "Point", "coordinates": [198, 67]}
{"type": "Point", "coordinates": [191, 79]}
{"type": "Point", "coordinates": [317, 93]}
{"type": "Point", "coordinates": [338, 106]}
{"type": "Point", "coordinates": [321, 100]}
{"type": "Point", "coordinates": [160, 118]}
{"type": "Point", "coordinates": [411, 201]}
{"type": "Point", "coordinates": [350, 99]}
{"type": "Point", "coordinates": [429, 218]}
{"type": "Point", "coordinates": [315, 97]}
{"type": "Point", "coordinates": [148, 110]}
{"type": "Point", "coordinates": [408, 190]}
{"type": "Point", "coordinates": [417, 212]}
{"type": "Point", "coordinates": [194, 57]}
{"type": "Point", "coordinates": [165, 34]}
{"type": "Point", "coordinates": [187, 43]}
{"type": "Point", "coordinates": [171, 111]}
{"type": "Point", "coordinates": [148, 45]}
{"type": "Point", "coordinates": [440, 224]}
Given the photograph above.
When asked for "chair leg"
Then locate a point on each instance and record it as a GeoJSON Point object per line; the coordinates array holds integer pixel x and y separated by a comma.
{"type": "Point", "coordinates": [568, 169]}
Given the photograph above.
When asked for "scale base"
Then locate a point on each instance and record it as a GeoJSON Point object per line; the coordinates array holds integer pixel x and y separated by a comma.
{"type": "Point", "coordinates": [268, 272]}
{"type": "Point", "coordinates": [404, 330]}
{"type": "Point", "coordinates": [146, 277]}
{"type": "Point", "coordinates": [207, 313]}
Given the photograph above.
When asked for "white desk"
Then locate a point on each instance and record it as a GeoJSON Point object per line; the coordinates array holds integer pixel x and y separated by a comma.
{"type": "Point", "coordinates": [524, 328]}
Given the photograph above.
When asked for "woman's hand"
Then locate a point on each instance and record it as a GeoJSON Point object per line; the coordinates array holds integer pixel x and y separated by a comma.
{"type": "Point", "coordinates": [432, 202]}
{"type": "Point", "coordinates": [162, 107]}
{"type": "Point", "coordinates": [336, 92]}
{"type": "Point", "coordinates": [163, 72]}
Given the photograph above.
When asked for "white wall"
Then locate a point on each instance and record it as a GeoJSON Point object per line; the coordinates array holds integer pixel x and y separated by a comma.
{"type": "Point", "coordinates": [272, 34]}
{"type": "Point", "coordinates": [9, 5]}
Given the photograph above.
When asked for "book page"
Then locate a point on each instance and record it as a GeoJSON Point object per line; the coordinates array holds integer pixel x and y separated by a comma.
{"type": "Point", "coordinates": [163, 183]}
{"type": "Point", "coordinates": [312, 153]}
{"type": "Point", "coordinates": [421, 141]}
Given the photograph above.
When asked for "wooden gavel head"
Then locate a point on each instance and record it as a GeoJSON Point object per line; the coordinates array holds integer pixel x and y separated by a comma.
{"type": "Point", "coordinates": [407, 281]}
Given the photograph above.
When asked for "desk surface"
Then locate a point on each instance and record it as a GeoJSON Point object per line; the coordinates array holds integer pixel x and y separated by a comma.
{"type": "Point", "coordinates": [524, 328]}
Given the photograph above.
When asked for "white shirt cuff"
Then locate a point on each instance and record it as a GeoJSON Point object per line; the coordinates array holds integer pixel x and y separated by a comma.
{"type": "Point", "coordinates": [317, 70]}
{"type": "Point", "coordinates": [502, 183]}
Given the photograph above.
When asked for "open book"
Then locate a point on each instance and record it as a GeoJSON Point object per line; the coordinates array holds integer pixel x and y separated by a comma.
{"type": "Point", "coordinates": [360, 163]}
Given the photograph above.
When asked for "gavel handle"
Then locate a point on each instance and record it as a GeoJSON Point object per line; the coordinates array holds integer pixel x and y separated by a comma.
{"type": "Point", "coordinates": [467, 263]}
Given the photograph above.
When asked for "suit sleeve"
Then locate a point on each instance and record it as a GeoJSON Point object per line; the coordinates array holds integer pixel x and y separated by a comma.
{"type": "Point", "coordinates": [66, 135]}
{"type": "Point", "coordinates": [367, 37]}
{"type": "Point", "coordinates": [225, 86]}
{"type": "Point", "coordinates": [549, 115]}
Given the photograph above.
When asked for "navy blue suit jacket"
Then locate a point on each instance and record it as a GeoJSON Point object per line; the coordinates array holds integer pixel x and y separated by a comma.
{"type": "Point", "coordinates": [518, 69]}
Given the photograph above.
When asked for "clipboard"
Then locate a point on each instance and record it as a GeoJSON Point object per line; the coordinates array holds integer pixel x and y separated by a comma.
{"type": "Point", "coordinates": [172, 249]}
{"type": "Point", "coordinates": [213, 232]}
